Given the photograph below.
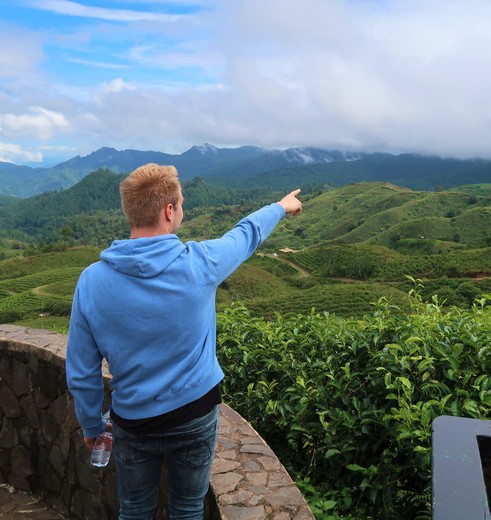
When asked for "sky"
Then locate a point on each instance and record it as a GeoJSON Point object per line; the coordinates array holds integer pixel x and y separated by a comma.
{"type": "Point", "coordinates": [393, 76]}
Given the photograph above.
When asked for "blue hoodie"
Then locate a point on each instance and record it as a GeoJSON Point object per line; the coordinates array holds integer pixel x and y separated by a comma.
{"type": "Point", "coordinates": [148, 308]}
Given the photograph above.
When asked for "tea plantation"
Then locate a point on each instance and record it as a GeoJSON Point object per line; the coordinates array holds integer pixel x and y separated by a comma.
{"type": "Point", "coordinates": [37, 290]}
{"type": "Point", "coordinates": [348, 403]}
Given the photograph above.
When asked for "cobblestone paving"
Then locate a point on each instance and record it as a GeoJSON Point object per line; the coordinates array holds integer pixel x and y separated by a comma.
{"type": "Point", "coordinates": [15, 505]}
{"type": "Point", "coordinates": [248, 480]}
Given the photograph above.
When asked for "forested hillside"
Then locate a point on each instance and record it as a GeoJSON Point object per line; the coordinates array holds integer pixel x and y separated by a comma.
{"type": "Point", "coordinates": [89, 212]}
{"type": "Point", "coordinates": [391, 216]}
{"type": "Point", "coordinates": [350, 246]}
{"type": "Point", "coordinates": [412, 171]}
{"type": "Point", "coordinates": [377, 213]}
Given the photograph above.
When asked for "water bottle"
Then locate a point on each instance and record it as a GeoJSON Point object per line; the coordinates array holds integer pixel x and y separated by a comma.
{"type": "Point", "coordinates": [102, 447]}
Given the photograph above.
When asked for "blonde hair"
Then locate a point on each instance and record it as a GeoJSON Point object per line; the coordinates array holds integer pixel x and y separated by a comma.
{"type": "Point", "coordinates": [146, 191]}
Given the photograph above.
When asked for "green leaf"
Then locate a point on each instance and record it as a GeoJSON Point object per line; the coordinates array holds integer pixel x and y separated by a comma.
{"type": "Point", "coordinates": [405, 381]}
{"type": "Point", "coordinates": [414, 339]}
{"type": "Point", "coordinates": [471, 406]}
{"type": "Point", "coordinates": [356, 467]}
{"type": "Point", "coordinates": [331, 452]}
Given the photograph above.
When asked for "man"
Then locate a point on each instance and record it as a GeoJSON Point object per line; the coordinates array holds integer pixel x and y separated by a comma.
{"type": "Point", "coordinates": [148, 307]}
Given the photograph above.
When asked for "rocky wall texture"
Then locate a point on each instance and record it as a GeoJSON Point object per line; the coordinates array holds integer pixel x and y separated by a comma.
{"type": "Point", "coordinates": [42, 450]}
{"type": "Point", "coordinates": [41, 445]}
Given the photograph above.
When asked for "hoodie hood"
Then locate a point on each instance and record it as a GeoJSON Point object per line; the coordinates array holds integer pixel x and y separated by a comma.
{"type": "Point", "coordinates": [143, 257]}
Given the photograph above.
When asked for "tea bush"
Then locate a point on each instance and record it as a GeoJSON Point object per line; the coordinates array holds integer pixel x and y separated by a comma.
{"type": "Point", "coordinates": [348, 404]}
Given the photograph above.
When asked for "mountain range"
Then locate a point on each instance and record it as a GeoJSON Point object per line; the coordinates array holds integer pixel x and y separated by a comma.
{"type": "Point", "coordinates": [251, 166]}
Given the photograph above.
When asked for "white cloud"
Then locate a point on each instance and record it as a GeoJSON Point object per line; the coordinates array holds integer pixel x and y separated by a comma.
{"type": "Point", "coordinates": [38, 122]}
{"type": "Point", "coordinates": [370, 75]}
{"type": "Point", "coordinates": [399, 76]}
{"type": "Point", "coordinates": [69, 8]}
{"type": "Point", "coordinates": [16, 154]}
{"type": "Point", "coordinates": [98, 64]}
{"type": "Point", "coordinates": [113, 87]}
{"type": "Point", "coordinates": [117, 85]}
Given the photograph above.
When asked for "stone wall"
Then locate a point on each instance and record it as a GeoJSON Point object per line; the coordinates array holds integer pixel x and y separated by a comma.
{"type": "Point", "coordinates": [41, 445]}
{"type": "Point", "coordinates": [42, 449]}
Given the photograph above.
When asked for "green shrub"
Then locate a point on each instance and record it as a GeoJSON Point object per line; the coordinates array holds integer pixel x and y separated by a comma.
{"type": "Point", "coordinates": [59, 307]}
{"type": "Point", "coordinates": [10, 316]}
{"type": "Point", "coordinates": [349, 403]}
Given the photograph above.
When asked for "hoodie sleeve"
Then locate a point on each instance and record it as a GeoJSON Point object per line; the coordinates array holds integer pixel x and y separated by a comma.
{"type": "Point", "coordinates": [84, 371]}
{"type": "Point", "coordinates": [225, 254]}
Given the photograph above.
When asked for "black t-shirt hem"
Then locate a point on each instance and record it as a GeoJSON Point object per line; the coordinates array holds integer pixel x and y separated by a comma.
{"type": "Point", "coordinates": [171, 419]}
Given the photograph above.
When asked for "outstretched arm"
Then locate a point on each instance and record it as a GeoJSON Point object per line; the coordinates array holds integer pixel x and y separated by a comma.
{"type": "Point", "coordinates": [225, 254]}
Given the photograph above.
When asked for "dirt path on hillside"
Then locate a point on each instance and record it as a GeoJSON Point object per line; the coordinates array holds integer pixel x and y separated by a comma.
{"type": "Point", "coordinates": [346, 280]}
{"type": "Point", "coordinates": [304, 273]}
{"type": "Point", "coordinates": [476, 277]}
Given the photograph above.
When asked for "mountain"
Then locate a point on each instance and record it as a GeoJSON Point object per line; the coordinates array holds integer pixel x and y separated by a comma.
{"type": "Point", "coordinates": [374, 213]}
{"type": "Point", "coordinates": [206, 160]}
{"type": "Point", "coordinates": [23, 181]}
{"type": "Point", "coordinates": [411, 171]}
{"type": "Point", "coordinates": [119, 161]}
{"type": "Point", "coordinates": [251, 166]}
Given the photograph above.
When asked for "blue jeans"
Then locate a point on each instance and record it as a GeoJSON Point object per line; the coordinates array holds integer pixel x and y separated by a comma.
{"type": "Point", "coordinates": [188, 451]}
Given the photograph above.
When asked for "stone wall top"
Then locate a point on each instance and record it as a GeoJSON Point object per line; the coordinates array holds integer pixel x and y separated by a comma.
{"type": "Point", "coordinates": [248, 480]}
{"type": "Point", "coordinates": [46, 344]}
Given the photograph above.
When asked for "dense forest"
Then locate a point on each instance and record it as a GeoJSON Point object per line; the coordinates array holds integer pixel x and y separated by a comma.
{"type": "Point", "coordinates": [88, 213]}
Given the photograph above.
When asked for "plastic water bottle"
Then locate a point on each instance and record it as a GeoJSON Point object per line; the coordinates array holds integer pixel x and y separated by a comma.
{"type": "Point", "coordinates": [101, 452]}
